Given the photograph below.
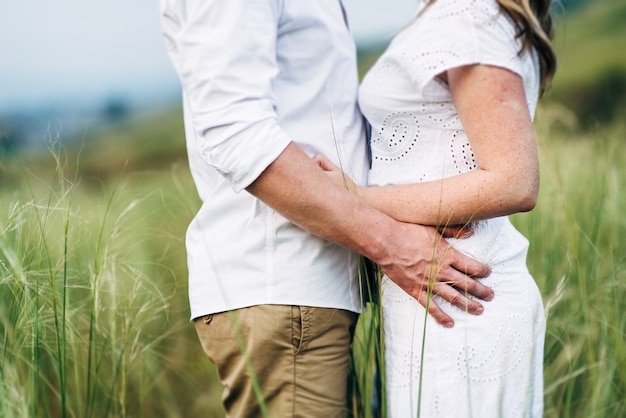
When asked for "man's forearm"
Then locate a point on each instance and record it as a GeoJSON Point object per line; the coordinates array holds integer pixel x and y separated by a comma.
{"type": "Point", "coordinates": [413, 256]}
{"type": "Point", "coordinates": [295, 187]}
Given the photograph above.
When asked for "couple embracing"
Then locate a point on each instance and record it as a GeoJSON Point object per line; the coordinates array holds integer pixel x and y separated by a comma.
{"type": "Point", "coordinates": [292, 189]}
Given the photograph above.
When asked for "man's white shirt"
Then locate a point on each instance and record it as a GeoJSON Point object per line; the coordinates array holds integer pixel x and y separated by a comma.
{"type": "Point", "coordinates": [257, 75]}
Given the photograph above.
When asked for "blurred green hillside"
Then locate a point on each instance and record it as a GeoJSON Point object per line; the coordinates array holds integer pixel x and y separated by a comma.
{"type": "Point", "coordinates": [93, 291]}
{"type": "Point", "coordinates": [590, 86]}
{"type": "Point", "coordinates": [590, 43]}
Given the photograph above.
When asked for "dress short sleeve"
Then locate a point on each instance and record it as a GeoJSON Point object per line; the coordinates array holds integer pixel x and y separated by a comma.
{"type": "Point", "coordinates": [452, 33]}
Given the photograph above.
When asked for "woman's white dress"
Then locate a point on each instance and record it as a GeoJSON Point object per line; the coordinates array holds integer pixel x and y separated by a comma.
{"type": "Point", "coordinates": [488, 365]}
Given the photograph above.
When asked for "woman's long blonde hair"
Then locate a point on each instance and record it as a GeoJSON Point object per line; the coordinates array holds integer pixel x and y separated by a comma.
{"type": "Point", "coordinates": [534, 27]}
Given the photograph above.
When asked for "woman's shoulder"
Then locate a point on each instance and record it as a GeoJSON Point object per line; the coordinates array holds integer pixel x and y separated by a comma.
{"type": "Point", "coordinates": [452, 33]}
{"type": "Point", "coordinates": [467, 27]}
{"type": "Point", "coordinates": [450, 9]}
{"type": "Point", "coordinates": [460, 13]}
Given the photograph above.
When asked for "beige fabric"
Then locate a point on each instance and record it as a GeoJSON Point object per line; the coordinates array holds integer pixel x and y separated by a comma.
{"type": "Point", "coordinates": [298, 355]}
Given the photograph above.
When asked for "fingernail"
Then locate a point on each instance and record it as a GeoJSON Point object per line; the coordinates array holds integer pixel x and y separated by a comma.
{"type": "Point", "coordinates": [478, 310]}
{"type": "Point", "coordinates": [449, 324]}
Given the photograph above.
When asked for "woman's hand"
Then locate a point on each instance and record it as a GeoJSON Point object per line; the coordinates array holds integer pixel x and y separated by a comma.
{"type": "Point", "coordinates": [336, 174]}
{"type": "Point", "coordinates": [342, 179]}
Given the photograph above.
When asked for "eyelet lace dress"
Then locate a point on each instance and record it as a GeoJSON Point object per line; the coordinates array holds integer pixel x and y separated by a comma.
{"type": "Point", "coordinates": [488, 365]}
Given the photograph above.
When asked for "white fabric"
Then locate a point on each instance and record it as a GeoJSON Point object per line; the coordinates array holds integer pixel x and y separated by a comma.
{"type": "Point", "coordinates": [486, 366]}
{"type": "Point", "coordinates": [257, 75]}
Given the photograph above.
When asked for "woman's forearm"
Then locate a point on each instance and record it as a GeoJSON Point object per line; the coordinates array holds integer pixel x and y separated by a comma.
{"type": "Point", "coordinates": [492, 107]}
{"type": "Point", "coordinates": [457, 200]}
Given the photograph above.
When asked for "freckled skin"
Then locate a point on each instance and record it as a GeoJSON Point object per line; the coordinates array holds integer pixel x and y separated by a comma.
{"type": "Point", "coordinates": [491, 104]}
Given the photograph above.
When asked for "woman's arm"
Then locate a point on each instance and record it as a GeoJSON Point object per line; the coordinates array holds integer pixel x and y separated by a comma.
{"type": "Point", "coordinates": [492, 107]}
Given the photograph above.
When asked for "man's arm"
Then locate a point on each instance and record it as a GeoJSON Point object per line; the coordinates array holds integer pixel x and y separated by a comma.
{"type": "Point", "coordinates": [224, 53]}
{"type": "Point", "coordinates": [409, 254]}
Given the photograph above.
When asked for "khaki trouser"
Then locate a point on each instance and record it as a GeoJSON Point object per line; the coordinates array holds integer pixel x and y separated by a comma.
{"type": "Point", "coordinates": [298, 355]}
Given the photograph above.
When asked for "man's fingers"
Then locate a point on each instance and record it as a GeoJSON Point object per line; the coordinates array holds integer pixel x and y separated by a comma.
{"type": "Point", "coordinates": [467, 265]}
{"type": "Point", "coordinates": [464, 283]}
{"type": "Point", "coordinates": [475, 288]}
{"type": "Point", "coordinates": [459, 232]}
{"type": "Point", "coordinates": [461, 262]}
{"type": "Point", "coordinates": [461, 271]}
{"type": "Point", "coordinates": [426, 300]}
{"type": "Point", "coordinates": [324, 162]}
{"type": "Point", "coordinates": [457, 298]}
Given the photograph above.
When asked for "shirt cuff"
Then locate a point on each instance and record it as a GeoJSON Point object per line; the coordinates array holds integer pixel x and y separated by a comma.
{"type": "Point", "coordinates": [241, 157]}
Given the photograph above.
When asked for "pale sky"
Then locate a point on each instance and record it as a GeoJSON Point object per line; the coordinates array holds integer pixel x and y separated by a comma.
{"type": "Point", "coordinates": [62, 51]}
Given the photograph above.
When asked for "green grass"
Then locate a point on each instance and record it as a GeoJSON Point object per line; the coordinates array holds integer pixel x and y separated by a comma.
{"type": "Point", "coordinates": [93, 293]}
{"type": "Point", "coordinates": [578, 257]}
{"type": "Point", "coordinates": [93, 304]}
{"type": "Point", "coordinates": [591, 76]}
{"type": "Point", "coordinates": [93, 313]}
{"type": "Point", "coordinates": [588, 42]}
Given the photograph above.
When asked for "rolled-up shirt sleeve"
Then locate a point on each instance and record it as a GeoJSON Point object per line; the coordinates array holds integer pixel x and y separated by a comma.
{"type": "Point", "coordinates": [224, 52]}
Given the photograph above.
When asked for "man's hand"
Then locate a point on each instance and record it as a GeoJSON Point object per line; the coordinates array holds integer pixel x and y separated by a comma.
{"type": "Point", "coordinates": [335, 174]}
{"type": "Point", "coordinates": [424, 264]}
{"type": "Point", "coordinates": [431, 266]}
{"type": "Point", "coordinates": [411, 255]}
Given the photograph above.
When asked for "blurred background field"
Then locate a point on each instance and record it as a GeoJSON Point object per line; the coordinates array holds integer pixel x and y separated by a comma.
{"type": "Point", "coordinates": [95, 197]}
